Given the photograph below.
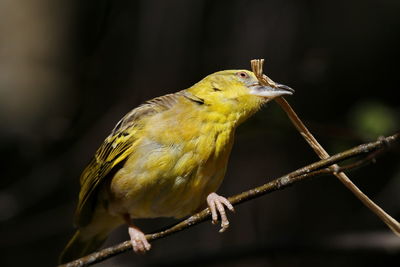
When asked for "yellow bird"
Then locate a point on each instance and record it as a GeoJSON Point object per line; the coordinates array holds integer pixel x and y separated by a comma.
{"type": "Point", "coordinates": [166, 158]}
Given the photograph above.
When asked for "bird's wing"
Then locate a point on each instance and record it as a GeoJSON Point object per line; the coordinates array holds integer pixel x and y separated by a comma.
{"type": "Point", "coordinates": [111, 155]}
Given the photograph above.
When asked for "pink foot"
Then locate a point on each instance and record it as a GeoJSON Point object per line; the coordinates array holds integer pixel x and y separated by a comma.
{"type": "Point", "coordinates": [138, 240]}
{"type": "Point", "coordinates": [216, 205]}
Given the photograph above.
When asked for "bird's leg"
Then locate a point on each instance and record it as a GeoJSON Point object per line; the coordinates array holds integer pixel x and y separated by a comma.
{"type": "Point", "coordinates": [138, 239]}
{"type": "Point", "coordinates": [216, 205]}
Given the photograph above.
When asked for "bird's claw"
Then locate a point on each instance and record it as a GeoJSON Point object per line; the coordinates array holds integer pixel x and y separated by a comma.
{"type": "Point", "coordinates": [138, 240]}
{"type": "Point", "coordinates": [216, 205]}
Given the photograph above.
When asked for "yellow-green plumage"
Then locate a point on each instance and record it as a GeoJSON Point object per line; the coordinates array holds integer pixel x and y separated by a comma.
{"type": "Point", "coordinates": [163, 158]}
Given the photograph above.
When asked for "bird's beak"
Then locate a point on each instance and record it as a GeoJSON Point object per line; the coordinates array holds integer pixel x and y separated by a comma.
{"type": "Point", "coordinates": [272, 91]}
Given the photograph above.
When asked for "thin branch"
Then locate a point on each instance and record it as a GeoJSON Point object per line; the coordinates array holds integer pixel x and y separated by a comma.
{"type": "Point", "coordinates": [257, 67]}
{"type": "Point", "coordinates": [393, 224]}
{"type": "Point", "coordinates": [317, 168]}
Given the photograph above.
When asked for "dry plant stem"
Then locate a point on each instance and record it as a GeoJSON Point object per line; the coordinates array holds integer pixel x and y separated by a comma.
{"type": "Point", "coordinates": [317, 168]}
{"type": "Point", "coordinates": [386, 218]}
{"type": "Point", "coordinates": [257, 66]}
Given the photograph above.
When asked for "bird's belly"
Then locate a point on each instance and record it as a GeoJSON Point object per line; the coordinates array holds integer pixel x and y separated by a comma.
{"type": "Point", "coordinates": [169, 196]}
{"type": "Point", "coordinates": [177, 198]}
{"type": "Point", "coordinates": [165, 184]}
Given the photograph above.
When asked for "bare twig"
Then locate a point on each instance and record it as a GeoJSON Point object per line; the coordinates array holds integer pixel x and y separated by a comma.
{"type": "Point", "coordinates": [257, 66]}
{"type": "Point", "coordinates": [319, 167]}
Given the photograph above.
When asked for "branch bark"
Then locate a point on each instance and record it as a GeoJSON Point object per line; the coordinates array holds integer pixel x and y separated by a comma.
{"type": "Point", "coordinates": [324, 166]}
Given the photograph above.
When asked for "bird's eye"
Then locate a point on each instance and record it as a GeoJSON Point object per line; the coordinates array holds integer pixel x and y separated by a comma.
{"type": "Point", "coordinates": [242, 74]}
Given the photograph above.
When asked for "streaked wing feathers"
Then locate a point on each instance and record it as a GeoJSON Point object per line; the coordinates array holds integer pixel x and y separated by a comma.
{"type": "Point", "coordinates": [115, 149]}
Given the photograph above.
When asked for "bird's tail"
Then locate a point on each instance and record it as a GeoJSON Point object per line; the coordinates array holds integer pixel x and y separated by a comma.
{"type": "Point", "coordinates": [89, 238]}
{"type": "Point", "coordinates": [81, 245]}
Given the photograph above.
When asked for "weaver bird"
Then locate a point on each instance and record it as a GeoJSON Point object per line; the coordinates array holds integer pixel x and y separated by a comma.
{"type": "Point", "coordinates": [166, 158]}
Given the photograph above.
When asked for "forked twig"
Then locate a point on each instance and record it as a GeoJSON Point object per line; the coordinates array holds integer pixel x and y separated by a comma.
{"type": "Point", "coordinates": [257, 67]}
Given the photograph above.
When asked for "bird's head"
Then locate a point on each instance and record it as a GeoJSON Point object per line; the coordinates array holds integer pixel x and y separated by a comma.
{"type": "Point", "coordinates": [237, 91]}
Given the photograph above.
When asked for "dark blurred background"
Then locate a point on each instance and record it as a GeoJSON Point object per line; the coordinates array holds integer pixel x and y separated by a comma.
{"type": "Point", "coordinates": [69, 70]}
